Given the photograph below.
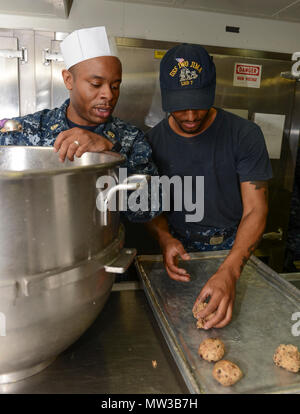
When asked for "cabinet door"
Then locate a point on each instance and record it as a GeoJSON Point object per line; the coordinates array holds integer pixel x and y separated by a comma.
{"type": "Point", "coordinates": [59, 92]}
{"type": "Point", "coordinates": [9, 79]}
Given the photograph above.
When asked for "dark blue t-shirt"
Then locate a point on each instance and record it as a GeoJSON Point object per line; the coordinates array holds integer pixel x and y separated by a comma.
{"type": "Point", "coordinates": [87, 127]}
{"type": "Point", "coordinates": [230, 151]}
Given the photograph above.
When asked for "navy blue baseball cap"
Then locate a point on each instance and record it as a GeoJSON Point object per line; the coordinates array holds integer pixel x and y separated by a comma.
{"type": "Point", "coordinates": [187, 78]}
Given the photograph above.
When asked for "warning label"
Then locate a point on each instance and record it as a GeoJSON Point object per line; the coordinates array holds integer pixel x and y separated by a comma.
{"type": "Point", "coordinates": [248, 76]}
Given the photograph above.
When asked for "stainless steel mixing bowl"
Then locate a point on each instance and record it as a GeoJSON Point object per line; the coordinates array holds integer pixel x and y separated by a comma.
{"type": "Point", "coordinates": [54, 254]}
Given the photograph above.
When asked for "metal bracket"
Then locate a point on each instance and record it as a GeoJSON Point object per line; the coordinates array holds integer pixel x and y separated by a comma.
{"type": "Point", "coordinates": [49, 57]}
{"type": "Point", "coordinates": [274, 235]}
{"type": "Point", "coordinates": [103, 200]}
{"type": "Point", "coordinates": [289, 75]}
{"type": "Point", "coordinates": [122, 261]}
{"type": "Point", "coordinates": [12, 54]}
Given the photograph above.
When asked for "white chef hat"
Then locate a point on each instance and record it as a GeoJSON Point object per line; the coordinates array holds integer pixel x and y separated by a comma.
{"type": "Point", "coordinates": [85, 44]}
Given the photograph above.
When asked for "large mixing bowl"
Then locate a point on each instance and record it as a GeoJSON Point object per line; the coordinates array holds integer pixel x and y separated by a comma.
{"type": "Point", "coordinates": [55, 254]}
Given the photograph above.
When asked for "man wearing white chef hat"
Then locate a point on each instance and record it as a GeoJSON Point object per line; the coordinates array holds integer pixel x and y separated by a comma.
{"type": "Point", "coordinates": [93, 76]}
{"type": "Point", "coordinates": [84, 44]}
{"type": "Point", "coordinates": [84, 123]}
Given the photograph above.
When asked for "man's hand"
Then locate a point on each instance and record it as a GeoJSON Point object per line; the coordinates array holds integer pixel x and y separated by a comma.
{"type": "Point", "coordinates": [77, 141]}
{"type": "Point", "coordinates": [221, 289]}
{"type": "Point", "coordinates": [172, 248]}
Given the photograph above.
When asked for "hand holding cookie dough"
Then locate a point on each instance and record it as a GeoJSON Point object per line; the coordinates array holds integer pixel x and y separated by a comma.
{"type": "Point", "coordinates": [201, 322]}
{"type": "Point", "coordinates": [220, 288]}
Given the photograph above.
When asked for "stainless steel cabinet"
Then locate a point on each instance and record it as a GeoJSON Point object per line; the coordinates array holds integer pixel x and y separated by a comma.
{"type": "Point", "coordinates": [29, 81]}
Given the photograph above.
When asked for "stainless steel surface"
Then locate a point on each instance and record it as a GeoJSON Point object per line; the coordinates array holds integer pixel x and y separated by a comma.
{"type": "Point", "coordinates": [49, 57]}
{"type": "Point", "coordinates": [40, 8]}
{"type": "Point", "coordinates": [122, 261]}
{"type": "Point", "coordinates": [21, 161]}
{"type": "Point", "coordinates": [53, 249]}
{"type": "Point", "coordinates": [51, 91]}
{"type": "Point", "coordinates": [291, 147]}
{"type": "Point", "coordinates": [140, 87]}
{"type": "Point", "coordinates": [59, 92]}
{"type": "Point", "coordinates": [114, 356]}
{"type": "Point", "coordinates": [293, 278]}
{"type": "Point", "coordinates": [165, 45]}
{"type": "Point", "coordinates": [132, 182]}
{"type": "Point", "coordinates": [15, 54]}
{"type": "Point", "coordinates": [42, 40]}
{"type": "Point", "coordinates": [27, 80]}
{"type": "Point", "coordinates": [261, 321]}
{"type": "Point", "coordinates": [9, 100]}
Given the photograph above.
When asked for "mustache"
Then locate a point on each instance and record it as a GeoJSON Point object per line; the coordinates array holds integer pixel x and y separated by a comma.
{"type": "Point", "coordinates": [194, 120]}
{"type": "Point", "coordinates": [103, 105]}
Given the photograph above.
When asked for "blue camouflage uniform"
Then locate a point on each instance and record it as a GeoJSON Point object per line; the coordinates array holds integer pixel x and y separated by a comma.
{"type": "Point", "coordinates": [293, 237]}
{"type": "Point", "coordinates": [43, 127]}
{"type": "Point", "coordinates": [207, 236]}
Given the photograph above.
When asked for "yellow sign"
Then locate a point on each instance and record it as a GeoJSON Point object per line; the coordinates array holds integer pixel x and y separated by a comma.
{"type": "Point", "coordinates": [159, 54]}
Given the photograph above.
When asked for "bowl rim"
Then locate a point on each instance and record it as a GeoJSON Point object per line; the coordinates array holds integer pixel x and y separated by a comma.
{"type": "Point", "coordinates": [13, 174]}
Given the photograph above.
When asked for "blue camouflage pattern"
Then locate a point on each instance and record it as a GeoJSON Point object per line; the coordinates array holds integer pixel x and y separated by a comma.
{"type": "Point", "coordinates": [43, 127]}
{"type": "Point", "coordinates": [293, 236]}
{"type": "Point", "coordinates": [192, 245]}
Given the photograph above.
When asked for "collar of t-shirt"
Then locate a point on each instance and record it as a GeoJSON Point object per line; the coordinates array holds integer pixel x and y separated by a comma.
{"type": "Point", "coordinates": [87, 127]}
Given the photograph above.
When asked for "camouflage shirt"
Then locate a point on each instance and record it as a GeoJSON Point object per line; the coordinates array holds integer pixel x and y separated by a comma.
{"type": "Point", "coordinates": [43, 127]}
{"type": "Point", "coordinates": [293, 237]}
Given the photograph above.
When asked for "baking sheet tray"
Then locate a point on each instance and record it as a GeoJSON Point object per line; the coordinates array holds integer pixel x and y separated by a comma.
{"type": "Point", "coordinates": [262, 319]}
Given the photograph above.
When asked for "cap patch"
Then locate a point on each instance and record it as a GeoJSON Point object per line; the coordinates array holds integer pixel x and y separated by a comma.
{"type": "Point", "coordinates": [188, 71]}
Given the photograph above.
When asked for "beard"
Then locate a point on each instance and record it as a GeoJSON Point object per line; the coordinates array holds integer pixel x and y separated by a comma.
{"type": "Point", "coordinates": [191, 131]}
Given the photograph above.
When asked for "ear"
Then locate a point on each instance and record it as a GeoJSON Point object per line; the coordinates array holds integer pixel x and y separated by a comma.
{"type": "Point", "coordinates": [68, 79]}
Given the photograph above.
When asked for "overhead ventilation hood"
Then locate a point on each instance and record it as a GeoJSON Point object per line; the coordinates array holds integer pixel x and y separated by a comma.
{"type": "Point", "coordinates": [43, 8]}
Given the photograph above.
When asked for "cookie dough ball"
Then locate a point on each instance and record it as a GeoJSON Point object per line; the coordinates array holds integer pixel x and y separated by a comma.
{"type": "Point", "coordinates": [287, 357]}
{"type": "Point", "coordinates": [211, 349]}
{"type": "Point", "coordinates": [227, 373]}
{"type": "Point", "coordinates": [199, 307]}
{"type": "Point", "coordinates": [201, 321]}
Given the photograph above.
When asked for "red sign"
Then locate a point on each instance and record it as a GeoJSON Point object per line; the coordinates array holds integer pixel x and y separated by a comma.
{"type": "Point", "coordinates": [247, 69]}
{"type": "Point", "coordinates": [247, 75]}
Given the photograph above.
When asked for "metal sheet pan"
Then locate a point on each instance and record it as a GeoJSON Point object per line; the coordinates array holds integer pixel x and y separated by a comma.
{"type": "Point", "coordinates": [262, 319]}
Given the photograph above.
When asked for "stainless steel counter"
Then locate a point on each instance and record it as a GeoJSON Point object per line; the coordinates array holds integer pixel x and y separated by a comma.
{"type": "Point", "coordinates": [262, 320]}
{"type": "Point", "coordinates": [113, 357]}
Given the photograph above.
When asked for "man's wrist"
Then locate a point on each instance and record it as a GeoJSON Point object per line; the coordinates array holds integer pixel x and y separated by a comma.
{"type": "Point", "coordinates": [236, 261]}
{"type": "Point", "coordinates": [164, 238]}
{"type": "Point", "coordinates": [234, 270]}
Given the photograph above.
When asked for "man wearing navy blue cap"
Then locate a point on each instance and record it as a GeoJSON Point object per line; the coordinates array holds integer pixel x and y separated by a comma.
{"type": "Point", "coordinates": [200, 140]}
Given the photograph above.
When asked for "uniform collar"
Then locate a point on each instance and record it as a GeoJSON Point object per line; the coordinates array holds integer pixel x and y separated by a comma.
{"type": "Point", "coordinates": [61, 123]}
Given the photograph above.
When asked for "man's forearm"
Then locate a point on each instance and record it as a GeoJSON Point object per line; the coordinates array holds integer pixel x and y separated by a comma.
{"type": "Point", "coordinates": [249, 235]}
{"type": "Point", "coordinates": [159, 229]}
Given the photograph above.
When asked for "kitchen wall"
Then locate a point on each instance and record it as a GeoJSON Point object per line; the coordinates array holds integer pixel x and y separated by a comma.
{"type": "Point", "coordinates": [170, 24]}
